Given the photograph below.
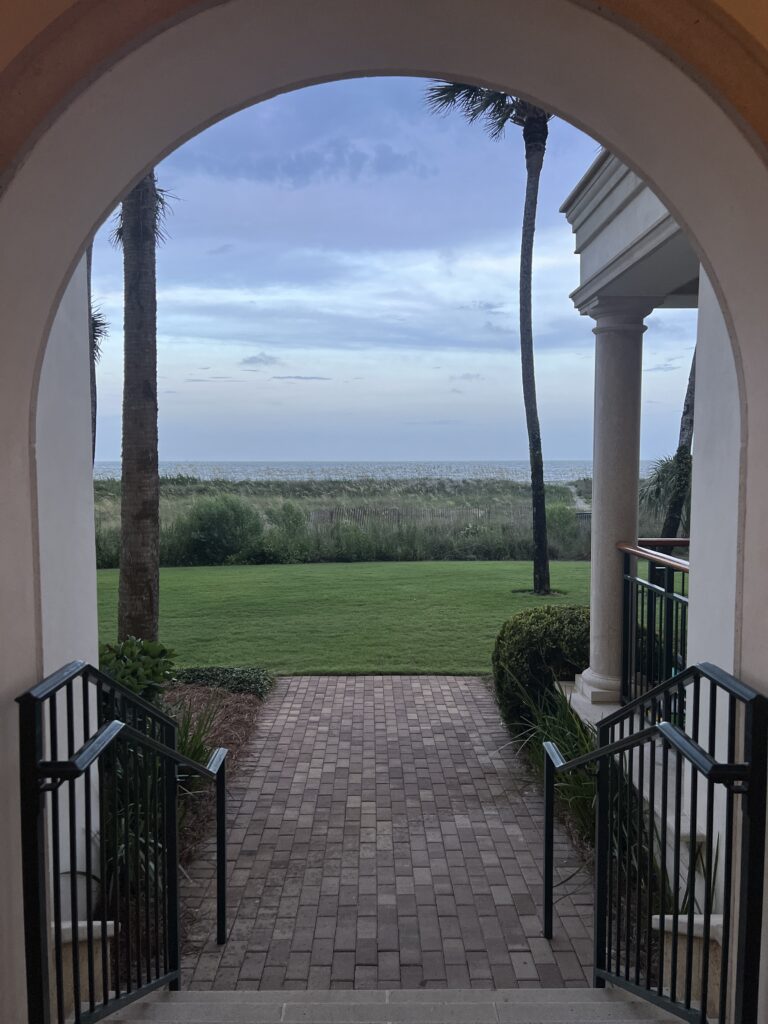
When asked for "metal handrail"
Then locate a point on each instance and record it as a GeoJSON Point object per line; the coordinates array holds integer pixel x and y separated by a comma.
{"type": "Point", "coordinates": [554, 763]}
{"type": "Point", "coordinates": [654, 617]}
{"type": "Point", "coordinates": [729, 683]}
{"type": "Point", "coordinates": [147, 729]}
{"type": "Point", "coordinates": [58, 680]}
{"type": "Point", "coordinates": [92, 750]}
{"type": "Point", "coordinates": [634, 802]}
{"type": "Point", "coordinates": [708, 766]}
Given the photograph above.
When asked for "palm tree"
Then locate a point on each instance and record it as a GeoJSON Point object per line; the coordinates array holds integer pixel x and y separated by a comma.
{"type": "Point", "coordinates": [668, 485]}
{"type": "Point", "coordinates": [496, 110]}
{"type": "Point", "coordinates": [98, 329]}
{"type": "Point", "coordinates": [667, 490]}
{"type": "Point", "coordinates": [680, 497]}
{"type": "Point", "coordinates": [139, 230]}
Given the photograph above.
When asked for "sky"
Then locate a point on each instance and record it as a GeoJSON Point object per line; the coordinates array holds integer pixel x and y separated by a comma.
{"type": "Point", "coordinates": [339, 282]}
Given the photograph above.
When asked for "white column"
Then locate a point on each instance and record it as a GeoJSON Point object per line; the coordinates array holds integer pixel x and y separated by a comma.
{"type": "Point", "coordinates": [619, 330]}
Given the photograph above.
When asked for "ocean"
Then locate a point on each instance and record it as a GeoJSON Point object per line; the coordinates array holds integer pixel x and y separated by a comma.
{"type": "Point", "coordinates": [555, 471]}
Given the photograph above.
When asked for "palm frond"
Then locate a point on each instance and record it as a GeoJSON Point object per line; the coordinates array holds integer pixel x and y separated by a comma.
{"type": "Point", "coordinates": [161, 199]}
{"type": "Point", "coordinates": [99, 331]}
{"type": "Point", "coordinates": [668, 477]}
{"type": "Point", "coordinates": [493, 108]}
{"type": "Point", "coordinates": [657, 488]}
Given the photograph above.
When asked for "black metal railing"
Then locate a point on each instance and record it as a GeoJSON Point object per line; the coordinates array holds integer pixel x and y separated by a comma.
{"type": "Point", "coordinates": [679, 846]}
{"type": "Point", "coordinates": [99, 798]}
{"type": "Point", "coordinates": [655, 615]}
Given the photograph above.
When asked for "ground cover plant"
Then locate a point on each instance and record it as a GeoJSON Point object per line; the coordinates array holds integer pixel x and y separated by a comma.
{"type": "Point", "coordinates": [407, 617]}
{"type": "Point", "coordinates": [207, 718]}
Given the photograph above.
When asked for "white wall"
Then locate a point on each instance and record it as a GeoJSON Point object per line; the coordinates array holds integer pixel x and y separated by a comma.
{"type": "Point", "coordinates": [66, 528]}
{"type": "Point", "coordinates": [715, 492]}
{"type": "Point", "coordinates": [65, 487]}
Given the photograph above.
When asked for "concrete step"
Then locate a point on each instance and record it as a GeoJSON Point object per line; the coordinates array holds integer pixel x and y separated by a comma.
{"type": "Point", "coordinates": [417, 1006]}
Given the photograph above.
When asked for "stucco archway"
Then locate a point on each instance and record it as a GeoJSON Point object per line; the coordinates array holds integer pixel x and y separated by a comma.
{"type": "Point", "coordinates": [591, 71]}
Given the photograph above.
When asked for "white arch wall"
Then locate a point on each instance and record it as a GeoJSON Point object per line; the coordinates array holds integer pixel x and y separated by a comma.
{"type": "Point", "coordinates": [644, 108]}
{"type": "Point", "coordinates": [715, 537]}
{"type": "Point", "coordinates": [67, 552]}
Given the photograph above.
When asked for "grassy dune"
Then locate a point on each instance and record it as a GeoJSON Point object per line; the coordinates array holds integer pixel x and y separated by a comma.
{"type": "Point", "coordinates": [178, 493]}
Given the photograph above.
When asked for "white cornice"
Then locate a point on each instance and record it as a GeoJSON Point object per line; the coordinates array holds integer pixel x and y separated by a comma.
{"type": "Point", "coordinates": [593, 203]}
{"type": "Point", "coordinates": [584, 181]}
{"type": "Point", "coordinates": [657, 235]}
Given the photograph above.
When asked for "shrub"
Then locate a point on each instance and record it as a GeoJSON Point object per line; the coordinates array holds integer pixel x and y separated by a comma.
{"type": "Point", "coordinates": [143, 666]}
{"type": "Point", "coordinates": [287, 540]}
{"type": "Point", "coordinates": [212, 532]}
{"type": "Point", "coordinates": [567, 536]}
{"type": "Point", "coordinates": [255, 680]}
{"type": "Point", "coordinates": [534, 649]}
{"type": "Point", "coordinates": [107, 547]}
{"type": "Point", "coordinates": [289, 518]}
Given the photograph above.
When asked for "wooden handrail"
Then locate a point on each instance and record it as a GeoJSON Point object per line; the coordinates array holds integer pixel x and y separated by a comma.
{"type": "Point", "coordinates": [668, 561]}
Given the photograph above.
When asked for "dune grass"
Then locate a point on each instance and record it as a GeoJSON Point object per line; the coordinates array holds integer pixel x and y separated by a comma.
{"type": "Point", "coordinates": [382, 617]}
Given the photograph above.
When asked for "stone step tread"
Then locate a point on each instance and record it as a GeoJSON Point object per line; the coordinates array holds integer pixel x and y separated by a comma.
{"type": "Point", "coordinates": [398, 995]}
{"type": "Point", "coordinates": [514, 1006]}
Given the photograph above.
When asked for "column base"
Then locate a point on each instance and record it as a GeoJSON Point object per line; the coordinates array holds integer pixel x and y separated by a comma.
{"type": "Point", "coordinates": [597, 688]}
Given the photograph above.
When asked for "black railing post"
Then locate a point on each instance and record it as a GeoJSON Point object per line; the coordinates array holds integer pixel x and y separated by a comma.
{"type": "Point", "coordinates": [627, 633]}
{"type": "Point", "coordinates": [753, 822]}
{"type": "Point", "coordinates": [34, 872]}
{"type": "Point", "coordinates": [221, 853]}
{"type": "Point", "coordinates": [652, 643]}
{"type": "Point", "coordinates": [172, 858]}
{"type": "Point", "coordinates": [669, 631]}
{"type": "Point", "coordinates": [602, 841]}
{"type": "Point", "coordinates": [549, 842]}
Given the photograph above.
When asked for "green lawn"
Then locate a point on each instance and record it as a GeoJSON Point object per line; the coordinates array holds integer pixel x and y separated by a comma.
{"type": "Point", "coordinates": [345, 618]}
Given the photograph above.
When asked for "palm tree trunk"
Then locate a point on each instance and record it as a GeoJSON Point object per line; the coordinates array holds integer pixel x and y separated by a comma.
{"type": "Point", "coordinates": [535, 132]}
{"type": "Point", "coordinates": [92, 350]}
{"type": "Point", "coordinates": [682, 479]}
{"type": "Point", "coordinates": [138, 597]}
{"type": "Point", "coordinates": [686, 420]}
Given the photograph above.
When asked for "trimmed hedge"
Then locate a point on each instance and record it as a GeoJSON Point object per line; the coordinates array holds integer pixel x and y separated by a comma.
{"type": "Point", "coordinates": [256, 680]}
{"type": "Point", "coordinates": [534, 649]}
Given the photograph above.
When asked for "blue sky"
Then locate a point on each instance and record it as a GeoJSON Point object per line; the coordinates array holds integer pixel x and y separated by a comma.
{"type": "Point", "coordinates": [339, 282]}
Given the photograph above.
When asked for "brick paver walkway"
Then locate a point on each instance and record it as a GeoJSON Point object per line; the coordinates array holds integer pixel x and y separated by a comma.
{"type": "Point", "coordinates": [379, 839]}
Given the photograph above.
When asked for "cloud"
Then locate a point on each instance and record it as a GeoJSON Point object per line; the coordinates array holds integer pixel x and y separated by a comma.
{"type": "Point", "coordinates": [484, 306]}
{"type": "Point", "coordinates": [456, 391]}
{"type": "Point", "coordinates": [299, 377]}
{"type": "Point", "coordinates": [434, 423]}
{"type": "Point", "coordinates": [261, 359]}
{"type": "Point", "coordinates": [216, 380]}
{"type": "Point", "coordinates": [495, 328]}
{"type": "Point", "coordinates": [336, 158]}
{"type": "Point", "coordinates": [668, 366]}
{"type": "Point", "coordinates": [467, 376]}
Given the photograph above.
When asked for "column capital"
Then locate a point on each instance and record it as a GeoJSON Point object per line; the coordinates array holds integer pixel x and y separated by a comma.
{"type": "Point", "coordinates": [619, 312]}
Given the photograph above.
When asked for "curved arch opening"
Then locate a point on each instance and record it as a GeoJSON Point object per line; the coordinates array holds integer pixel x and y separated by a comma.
{"type": "Point", "coordinates": [641, 106]}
